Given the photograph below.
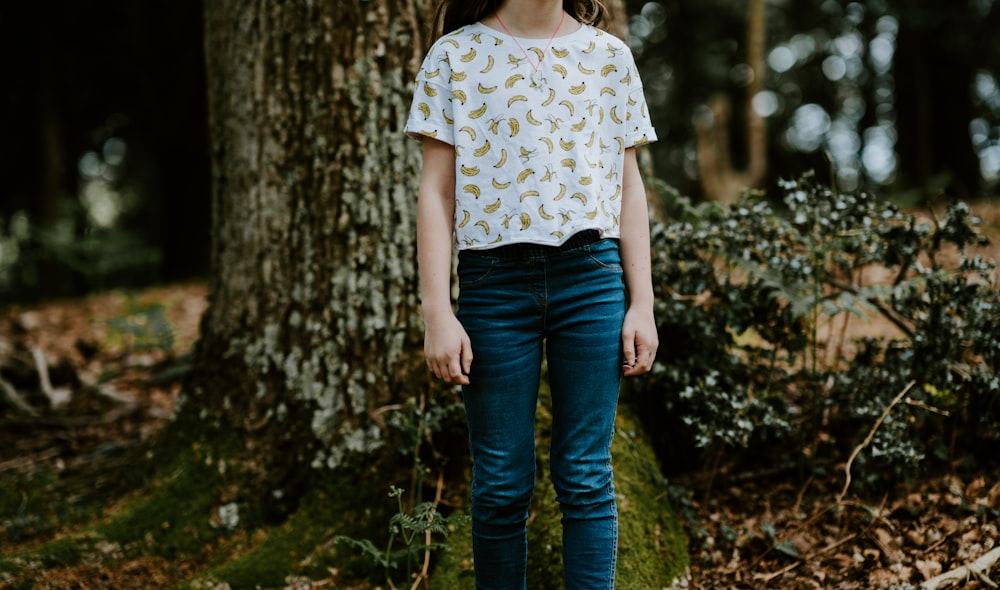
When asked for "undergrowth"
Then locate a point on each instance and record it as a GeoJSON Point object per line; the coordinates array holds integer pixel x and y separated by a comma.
{"type": "Point", "coordinates": [745, 292]}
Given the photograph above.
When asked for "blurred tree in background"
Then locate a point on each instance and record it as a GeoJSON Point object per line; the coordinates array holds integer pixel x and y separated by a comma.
{"type": "Point", "coordinates": [104, 171]}
{"type": "Point", "coordinates": [104, 177]}
{"type": "Point", "coordinates": [876, 94]}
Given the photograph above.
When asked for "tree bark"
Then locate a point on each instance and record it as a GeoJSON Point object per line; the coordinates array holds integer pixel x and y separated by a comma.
{"type": "Point", "coordinates": [313, 312]}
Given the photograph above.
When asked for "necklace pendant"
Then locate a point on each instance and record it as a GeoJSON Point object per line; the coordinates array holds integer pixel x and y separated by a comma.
{"type": "Point", "coordinates": [537, 80]}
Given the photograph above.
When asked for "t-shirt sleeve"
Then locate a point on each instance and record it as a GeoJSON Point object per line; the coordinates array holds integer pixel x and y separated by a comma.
{"type": "Point", "coordinates": [639, 127]}
{"type": "Point", "coordinates": [431, 110]}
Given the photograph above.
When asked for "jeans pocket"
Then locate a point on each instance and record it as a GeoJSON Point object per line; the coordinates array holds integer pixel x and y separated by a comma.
{"type": "Point", "coordinates": [474, 269]}
{"type": "Point", "coordinates": [605, 256]}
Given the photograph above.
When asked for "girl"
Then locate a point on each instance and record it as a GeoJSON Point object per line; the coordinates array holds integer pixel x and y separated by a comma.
{"type": "Point", "coordinates": [529, 117]}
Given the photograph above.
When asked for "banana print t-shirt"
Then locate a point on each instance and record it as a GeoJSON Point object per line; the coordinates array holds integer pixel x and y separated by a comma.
{"type": "Point", "coordinates": [538, 156]}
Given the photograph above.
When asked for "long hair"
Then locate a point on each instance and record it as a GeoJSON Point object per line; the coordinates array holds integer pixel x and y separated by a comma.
{"type": "Point", "coordinates": [454, 14]}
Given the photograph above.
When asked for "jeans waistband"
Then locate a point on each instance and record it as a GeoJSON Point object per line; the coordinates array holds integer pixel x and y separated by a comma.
{"type": "Point", "coordinates": [527, 250]}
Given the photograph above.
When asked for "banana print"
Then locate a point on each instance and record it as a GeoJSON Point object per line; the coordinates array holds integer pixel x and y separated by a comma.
{"type": "Point", "coordinates": [553, 143]}
{"type": "Point", "coordinates": [478, 112]}
{"type": "Point", "coordinates": [494, 124]}
{"type": "Point", "coordinates": [512, 80]}
{"type": "Point", "coordinates": [489, 65]}
{"type": "Point", "coordinates": [515, 127]}
{"type": "Point", "coordinates": [514, 99]}
{"type": "Point", "coordinates": [552, 96]}
{"type": "Point", "coordinates": [503, 159]}
{"type": "Point", "coordinates": [483, 150]}
{"type": "Point", "coordinates": [614, 115]}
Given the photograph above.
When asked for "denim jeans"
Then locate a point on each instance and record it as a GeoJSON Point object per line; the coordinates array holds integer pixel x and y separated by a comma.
{"type": "Point", "coordinates": [516, 302]}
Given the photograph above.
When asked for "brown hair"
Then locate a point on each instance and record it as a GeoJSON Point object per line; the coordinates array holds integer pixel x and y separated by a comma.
{"type": "Point", "coordinates": [454, 14]}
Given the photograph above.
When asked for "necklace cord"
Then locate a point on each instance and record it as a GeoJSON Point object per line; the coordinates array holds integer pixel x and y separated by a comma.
{"type": "Point", "coordinates": [544, 52]}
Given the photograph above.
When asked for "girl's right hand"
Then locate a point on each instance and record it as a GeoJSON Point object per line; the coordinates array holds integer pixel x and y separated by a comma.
{"type": "Point", "coordinates": [448, 350]}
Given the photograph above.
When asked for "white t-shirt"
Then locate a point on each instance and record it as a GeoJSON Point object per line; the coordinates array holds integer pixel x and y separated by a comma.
{"type": "Point", "coordinates": [536, 160]}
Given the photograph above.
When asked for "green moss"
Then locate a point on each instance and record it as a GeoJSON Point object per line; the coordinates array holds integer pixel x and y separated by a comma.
{"type": "Point", "coordinates": [652, 547]}
{"type": "Point", "coordinates": [174, 518]}
{"type": "Point", "coordinates": [303, 545]}
{"type": "Point", "coordinates": [170, 516]}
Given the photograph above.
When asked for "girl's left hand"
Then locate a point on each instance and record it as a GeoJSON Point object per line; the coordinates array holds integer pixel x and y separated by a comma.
{"type": "Point", "coordinates": [639, 341]}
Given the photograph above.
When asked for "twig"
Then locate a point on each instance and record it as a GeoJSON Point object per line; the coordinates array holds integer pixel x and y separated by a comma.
{"type": "Point", "coordinates": [976, 568]}
{"type": "Point", "coordinates": [886, 311]}
{"type": "Point", "coordinates": [15, 399]}
{"type": "Point", "coordinates": [868, 439]}
{"type": "Point", "coordinates": [29, 460]}
{"type": "Point", "coordinates": [427, 536]}
{"type": "Point", "coordinates": [42, 368]}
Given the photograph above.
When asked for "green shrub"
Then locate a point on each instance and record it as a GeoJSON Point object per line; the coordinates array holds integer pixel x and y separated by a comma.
{"type": "Point", "coordinates": [743, 291]}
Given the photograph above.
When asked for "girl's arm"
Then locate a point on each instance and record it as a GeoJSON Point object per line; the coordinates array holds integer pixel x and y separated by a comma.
{"type": "Point", "coordinates": [446, 345]}
{"type": "Point", "coordinates": [639, 337]}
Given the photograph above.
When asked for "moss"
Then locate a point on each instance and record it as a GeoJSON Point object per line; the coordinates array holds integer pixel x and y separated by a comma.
{"type": "Point", "coordinates": [174, 518]}
{"type": "Point", "coordinates": [170, 515]}
{"type": "Point", "coordinates": [37, 505]}
{"type": "Point", "coordinates": [304, 544]}
{"type": "Point", "coordinates": [652, 547]}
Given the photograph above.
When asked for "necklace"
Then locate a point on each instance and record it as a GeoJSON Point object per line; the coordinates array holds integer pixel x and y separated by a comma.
{"type": "Point", "coordinates": [537, 78]}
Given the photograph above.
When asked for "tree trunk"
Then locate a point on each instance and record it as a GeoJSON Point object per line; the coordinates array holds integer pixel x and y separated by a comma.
{"type": "Point", "coordinates": [720, 180]}
{"type": "Point", "coordinates": [313, 314]}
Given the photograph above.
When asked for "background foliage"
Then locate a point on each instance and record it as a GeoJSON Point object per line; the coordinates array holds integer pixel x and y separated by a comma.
{"type": "Point", "coordinates": [744, 292]}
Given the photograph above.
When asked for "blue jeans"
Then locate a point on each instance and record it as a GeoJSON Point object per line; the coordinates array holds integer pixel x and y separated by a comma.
{"type": "Point", "coordinates": [511, 301]}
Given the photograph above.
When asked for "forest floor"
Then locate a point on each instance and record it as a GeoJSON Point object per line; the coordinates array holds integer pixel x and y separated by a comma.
{"type": "Point", "coordinates": [114, 377]}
